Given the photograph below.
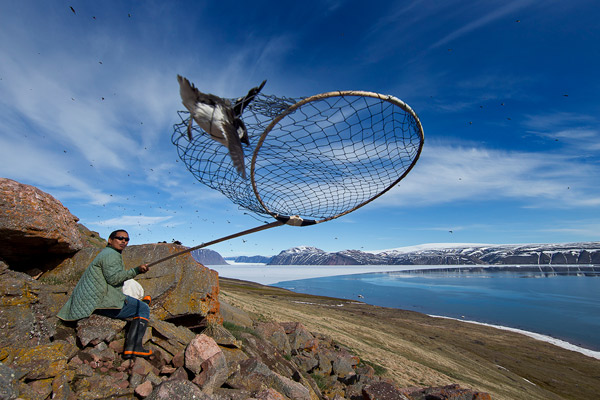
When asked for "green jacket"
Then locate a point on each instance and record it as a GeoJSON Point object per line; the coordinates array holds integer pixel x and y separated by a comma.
{"type": "Point", "coordinates": [100, 286]}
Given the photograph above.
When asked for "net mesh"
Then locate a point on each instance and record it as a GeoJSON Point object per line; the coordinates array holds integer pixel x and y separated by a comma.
{"type": "Point", "coordinates": [318, 157]}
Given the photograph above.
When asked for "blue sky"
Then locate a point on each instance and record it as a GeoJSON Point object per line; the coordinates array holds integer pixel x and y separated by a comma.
{"type": "Point", "coordinates": [507, 92]}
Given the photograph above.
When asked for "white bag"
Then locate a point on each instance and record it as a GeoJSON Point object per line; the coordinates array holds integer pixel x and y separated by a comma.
{"type": "Point", "coordinates": [133, 289]}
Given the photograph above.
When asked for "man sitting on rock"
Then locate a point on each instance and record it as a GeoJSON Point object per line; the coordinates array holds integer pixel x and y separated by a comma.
{"type": "Point", "coordinates": [100, 291]}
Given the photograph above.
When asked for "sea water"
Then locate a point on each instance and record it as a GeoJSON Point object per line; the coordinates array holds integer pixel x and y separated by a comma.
{"type": "Point", "coordinates": [565, 307]}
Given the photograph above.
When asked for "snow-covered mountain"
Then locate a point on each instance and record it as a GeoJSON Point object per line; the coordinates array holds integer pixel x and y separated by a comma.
{"type": "Point", "coordinates": [208, 257]}
{"type": "Point", "coordinates": [448, 254]}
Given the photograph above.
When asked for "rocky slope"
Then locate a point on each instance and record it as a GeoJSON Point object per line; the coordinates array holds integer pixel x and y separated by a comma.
{"type": "Point", "coordinates": [195, 354]}
{"type": "Point", "coordinates": [418, 350]}
{"type": "Point", "coordinates": [476, 254]}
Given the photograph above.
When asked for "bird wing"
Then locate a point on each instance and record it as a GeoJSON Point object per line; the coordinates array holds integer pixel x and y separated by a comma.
{"type": "Point", "coordinates": [235, 148]}
{"type": "Point", "coordinates": [242, 102]}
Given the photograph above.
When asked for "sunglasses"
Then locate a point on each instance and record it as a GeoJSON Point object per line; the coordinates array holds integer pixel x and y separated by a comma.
{"type": "Point", "coordinates": [122, 238]}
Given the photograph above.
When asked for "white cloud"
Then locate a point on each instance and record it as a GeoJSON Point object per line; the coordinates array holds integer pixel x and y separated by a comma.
{"type": "Point", "coordinates": [132, 220]}
{"type": "Point", "coordinates": [447, 174]}
{"type": "Point", "coordinates": [487, 18]}
{"type": "Point", "coordinates": [577, 131]}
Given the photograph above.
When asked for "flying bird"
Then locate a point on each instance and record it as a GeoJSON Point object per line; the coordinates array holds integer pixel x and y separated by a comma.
{"type": "Point", "coordinates": [218, 118]}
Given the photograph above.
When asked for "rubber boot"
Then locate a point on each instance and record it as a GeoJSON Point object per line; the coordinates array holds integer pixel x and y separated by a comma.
{"type": "Point", "coordinates": [133, 341]}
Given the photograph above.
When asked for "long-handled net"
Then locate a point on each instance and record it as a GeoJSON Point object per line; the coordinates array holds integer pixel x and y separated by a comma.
{"type": "Point", "coordinates": [310, 159]}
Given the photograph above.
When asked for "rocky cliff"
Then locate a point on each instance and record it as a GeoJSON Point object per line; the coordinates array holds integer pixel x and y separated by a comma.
{"type": "Point", "coordinates": [195, 355]}
{"type": "Point", "coordinates": [474, 254]}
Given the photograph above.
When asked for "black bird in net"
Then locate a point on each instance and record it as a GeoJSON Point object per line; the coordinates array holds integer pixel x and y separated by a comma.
{"type": "Point", "coordinates": [311, 159]}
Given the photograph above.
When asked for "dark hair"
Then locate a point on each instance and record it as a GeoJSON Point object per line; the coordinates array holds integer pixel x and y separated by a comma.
{"type": "Point", "coordinates": [114, 233]}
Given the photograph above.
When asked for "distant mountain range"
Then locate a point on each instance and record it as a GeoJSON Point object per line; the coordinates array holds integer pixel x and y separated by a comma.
{"type": "Point", "coordinates": [441, 254]}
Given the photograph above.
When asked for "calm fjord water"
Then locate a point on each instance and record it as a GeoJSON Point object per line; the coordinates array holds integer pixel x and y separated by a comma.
{"type": "Point", "coordinates": [564, 307]}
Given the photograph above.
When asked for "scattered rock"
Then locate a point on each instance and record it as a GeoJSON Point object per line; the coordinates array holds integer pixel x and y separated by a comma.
{"type": "Point", "coordinates": [144, 390]}
{"type": "Point", "coordinates": [174, 339]}
{"type": "Point", "coordinates": [383, 391]}
{"type": "Point", "coordinates": [8, 382]}
{"type": "Point", "coordinates": [222, 336]}
{"type": "Point", "coordinates": [98, 328]}
{"type": "Point", "coordinates": [199, 350]}
{"type": "Point", "coordinates": [274, 333]}
{"type": "Point", "coordinates": [449, 392]}
{"type": "Point", "coordinates": [177, 389]}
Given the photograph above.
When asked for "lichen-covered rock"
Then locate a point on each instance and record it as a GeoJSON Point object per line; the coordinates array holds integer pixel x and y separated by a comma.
{"type": "Point", "coordinates": [61, 390]}
{"type": "Point", "coordinates": [222, 336]}
{"type": "Point", "coordinates": [34, 226]}
{"type": "Point", "coordinates": [9, 384]}
{"type": "Point", "coordinates": [325, 357]}
{"type": "Point", "coordinates": [182, 289]}
{"type": "Point", "coordinates": [342, 367]}
{"type": "Point", "coordinates": [254, 376]}
{"type": "Point", "coordinates": [250, 375]}
{"type": "Point", "coordinates": [449, 392]}
{"type": "Point", "coordinates": [383, 391]}
{"type": "Point", "coordinates": [99, 386]}
{"type": "Point", "coordinates": [306, 362]}
{"type": "Point", "coordinates": [27, 309]}
{"type": "Point", "coordinates": [231, 394]}
{"type": "Point", "coordinates": [174, 339]}
{"type": "Point", "coordinates": [270, 394]}
{"type": "Point", "coordinates": [299, 337]}
{"type": "Point", "coordinates": [274, 333]}
{"type": "Point", "coordinates": [177, 389]}
{"type": "Point", "coordinates": [98, 328]}
{"type": "Point", "coordinates": [267, 353]}
{"type": "Point", "coordinates": [43, 361]}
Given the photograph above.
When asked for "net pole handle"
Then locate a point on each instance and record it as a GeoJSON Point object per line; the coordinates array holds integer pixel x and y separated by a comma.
{"type": "Point", "coordinates": [235, 235]}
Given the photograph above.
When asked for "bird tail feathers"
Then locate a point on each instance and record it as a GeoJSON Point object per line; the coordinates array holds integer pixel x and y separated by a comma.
{"type": "Point", "coordinates": [188, 92]}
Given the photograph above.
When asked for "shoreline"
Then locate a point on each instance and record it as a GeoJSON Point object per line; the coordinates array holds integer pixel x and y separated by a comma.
{"type": "Point", "coordinates": [419, 350]}
{"type": "Point", "coordinates": [268, 275]}
{"type": "Point", "coordinates": [538, 336]}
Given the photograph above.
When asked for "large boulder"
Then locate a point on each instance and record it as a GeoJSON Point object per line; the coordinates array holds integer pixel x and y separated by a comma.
{"type": "Point", "coordinates": [183, 291]}
{"type": "Point", "coordinates": [70, 270]}
{"type": "Point", "coordinates": [36, 229]}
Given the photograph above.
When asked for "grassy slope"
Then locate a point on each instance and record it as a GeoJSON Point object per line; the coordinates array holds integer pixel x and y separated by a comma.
{"type": "Point", "coordinates": [418, 350]}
